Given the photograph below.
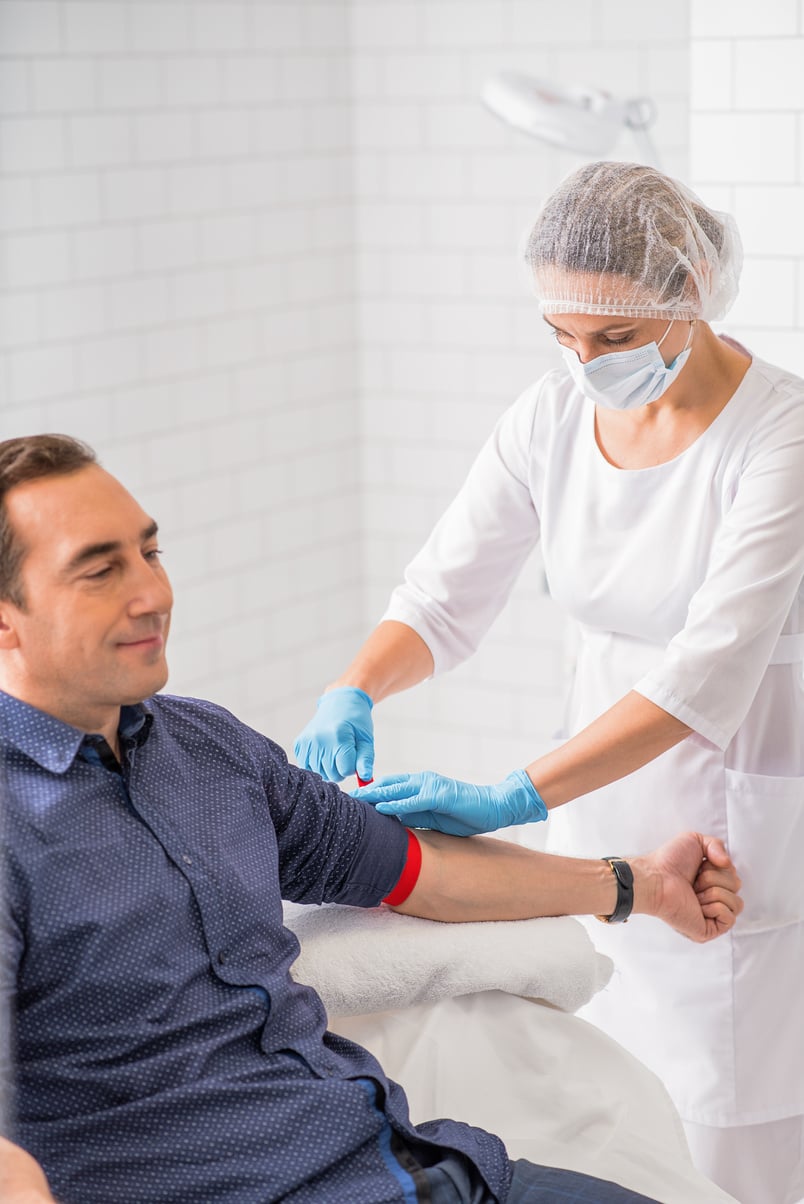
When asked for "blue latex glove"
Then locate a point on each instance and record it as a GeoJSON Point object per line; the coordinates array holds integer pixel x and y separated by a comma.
{"type": "Point", "coordinates": [428, 800]}
{"type": "Point", "coordinates": [339, 739]}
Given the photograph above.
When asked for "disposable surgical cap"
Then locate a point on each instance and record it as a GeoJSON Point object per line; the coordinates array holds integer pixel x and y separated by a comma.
{"type": "Point", "coordinates": [622, 238]}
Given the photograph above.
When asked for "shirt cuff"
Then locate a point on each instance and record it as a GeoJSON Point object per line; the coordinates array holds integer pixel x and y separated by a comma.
{"type": "Point", "coordinates": [378, 862]}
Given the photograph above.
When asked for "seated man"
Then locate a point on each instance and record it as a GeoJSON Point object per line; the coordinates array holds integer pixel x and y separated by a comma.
{"type": "Point", "coordinates": [163, 1053]}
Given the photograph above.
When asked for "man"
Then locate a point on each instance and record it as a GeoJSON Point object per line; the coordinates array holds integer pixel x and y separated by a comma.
{"type": "Point", "coordinates": [163, 1052]}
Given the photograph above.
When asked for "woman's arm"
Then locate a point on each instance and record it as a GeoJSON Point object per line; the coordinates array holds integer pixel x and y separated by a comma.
{"type": "Point", "coordinates": [393, 658]}
{"type": "Point", "coordinates": [627, 736]}
{"type": "Point", "coordinates": [621, 740]}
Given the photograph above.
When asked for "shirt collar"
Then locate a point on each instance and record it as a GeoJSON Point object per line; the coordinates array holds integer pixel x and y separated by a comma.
{"type": "Point", "coordinates": [52, 743]}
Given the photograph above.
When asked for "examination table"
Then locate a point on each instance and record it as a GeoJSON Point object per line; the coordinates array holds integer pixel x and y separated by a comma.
{"type": "Point", "coordinates": [476, 1022]}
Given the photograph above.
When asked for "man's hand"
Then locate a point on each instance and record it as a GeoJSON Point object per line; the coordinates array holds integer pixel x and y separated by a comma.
{"type": "Point", "coordinates": [22, 1180]}
{"type": "Point", "coordinates": [691, 884]}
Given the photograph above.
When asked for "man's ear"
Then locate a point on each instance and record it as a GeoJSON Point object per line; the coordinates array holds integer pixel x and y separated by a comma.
{"type": "Point", "coordinates": [8, 625]}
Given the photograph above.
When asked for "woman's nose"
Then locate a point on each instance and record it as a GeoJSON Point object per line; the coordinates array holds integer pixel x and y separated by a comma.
{"type": "Point", "coordinates": [585, 351]}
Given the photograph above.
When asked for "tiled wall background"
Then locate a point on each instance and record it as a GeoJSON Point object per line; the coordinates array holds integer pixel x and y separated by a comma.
{"type": "Point", "coordinates": [747, 156]}
{"type": "Point", "coordinates": [177, 263]}
{"type": "Point", "coordinates": [263, 255]}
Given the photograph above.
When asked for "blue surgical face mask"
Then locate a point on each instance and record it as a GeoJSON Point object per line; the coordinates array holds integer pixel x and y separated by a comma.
{"type": "Point", "coordinates": [625, 380]}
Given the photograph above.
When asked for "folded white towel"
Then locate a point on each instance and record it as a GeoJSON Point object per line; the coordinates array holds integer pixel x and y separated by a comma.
{"type": "Point", "coordinates": [362, 961]}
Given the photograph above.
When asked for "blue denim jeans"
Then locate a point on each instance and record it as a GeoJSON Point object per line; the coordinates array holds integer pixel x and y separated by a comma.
{"type": "Point", "coordinates": [451, 1182]}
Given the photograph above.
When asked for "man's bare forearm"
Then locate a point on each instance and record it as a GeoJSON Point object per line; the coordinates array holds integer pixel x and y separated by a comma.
{"type": "Point", "coordinates": [689, 882]}
{"type": "Point", "coordinates": [482, 878]}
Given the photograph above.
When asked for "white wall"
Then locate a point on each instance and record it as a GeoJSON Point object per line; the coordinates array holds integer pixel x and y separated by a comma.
{"type": "Point", "coordinates": [747, 156]}
{"type": "Point", "coordinates": [448, 332]}
{"type": "Point", "coordinates": [177, 262]}
{"type": "Point", "coordinates": [262, 254]}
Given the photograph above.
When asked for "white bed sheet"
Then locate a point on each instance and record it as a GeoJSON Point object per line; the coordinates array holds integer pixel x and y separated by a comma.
{"type": "Point", "coordinates": [555, 1088]}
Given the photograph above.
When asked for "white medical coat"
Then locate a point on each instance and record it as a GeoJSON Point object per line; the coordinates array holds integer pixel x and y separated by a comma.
{"type": "Point", "coordinates": [685, 580]}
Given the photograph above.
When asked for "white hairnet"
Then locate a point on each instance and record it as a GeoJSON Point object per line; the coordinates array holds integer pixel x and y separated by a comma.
{"type": "Point", "coordinates": [622, 238]}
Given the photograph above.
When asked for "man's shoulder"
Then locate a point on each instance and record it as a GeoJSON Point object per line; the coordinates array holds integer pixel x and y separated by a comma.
{"type": "Point", "coordinates": [183, 716]}
{"type": "Point", "coordinates": [179, 708]}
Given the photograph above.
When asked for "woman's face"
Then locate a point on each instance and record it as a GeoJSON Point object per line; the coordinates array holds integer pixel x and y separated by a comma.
{"type": "Point", "coordinates": [592, 335]}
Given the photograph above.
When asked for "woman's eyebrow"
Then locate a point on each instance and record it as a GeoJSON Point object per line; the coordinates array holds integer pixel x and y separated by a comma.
{"type": "Point", "coordinates": [624, 324]}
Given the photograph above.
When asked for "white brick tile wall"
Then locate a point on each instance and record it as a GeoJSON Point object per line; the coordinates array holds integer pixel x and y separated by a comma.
{"type": "Point", "coordinates": [163, 137]}
{"type": "Point", "coordinates": [743, 18]}
{"type": "Point", "coordinates": [129, 83]}
{"type": "Point", "coordinates": [744, 147]}
{"type": "Point", "coordinates": [62, 85]}
{"type": "Point", "coordinates": [70, 313]}
{"type": "Point", "coordinates": [747, 139]}
{"type": "Point", "coordinates": [133, 193]}
{"type": "Point", "coordinates": [68, 199]}
{"type": "Point", "coordinates": [712, 73]}
{"type": "Point", "coordinates": [102, 252]}
{"type": "Point", "coordinates": [219, 27]}
{"type": "Point", "coordinates": [17, 204]}
{"type": "Point", "coordinates": [158, 26]}
{"type": "Point", "coordinates": [106, 362]}
{"type": "Point", "coordinates": [185, 189]}
{"type": "Point", "coordinates": [19, 320]}
{"type": "Point", "coordinates": [41, 372]}
{"type": "Point", "coordinates": [99, 140]}
{"type": "Point", "coordinates": [94, 28]}
{"type": "Point", "coordinates": [36, 259]}
{"type": "Point", "coordinates": [192, 81]}
{"type": "Point", "coordinates": [31, 144]}
{"type": "Point", "coordinates": [30, 27]}
{"type": "Point", "coordinates": [769, 73]}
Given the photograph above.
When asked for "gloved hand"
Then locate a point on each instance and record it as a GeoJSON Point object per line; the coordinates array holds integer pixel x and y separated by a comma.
{"type": "Point", "coordinates": [428, 800]}
{"type": "Point", "coordinates": [339, 739]}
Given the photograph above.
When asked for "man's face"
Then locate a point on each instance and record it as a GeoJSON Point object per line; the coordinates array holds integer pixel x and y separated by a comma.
{"type": "Point", "coordinates": [91, 635]}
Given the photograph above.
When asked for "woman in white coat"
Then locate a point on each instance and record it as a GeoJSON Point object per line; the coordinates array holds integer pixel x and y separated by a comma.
{"type": "Point", "coordinates": [662, 471]}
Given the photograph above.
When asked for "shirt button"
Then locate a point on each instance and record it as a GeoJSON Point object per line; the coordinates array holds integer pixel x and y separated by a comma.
{"type": "Point", "coordinates": [221, 958]}
{"type": "Point", "coordinates": [187, 860]}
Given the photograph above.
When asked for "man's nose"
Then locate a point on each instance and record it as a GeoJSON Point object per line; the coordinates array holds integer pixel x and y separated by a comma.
{"type": "Point", "coordinates": [151, 592]}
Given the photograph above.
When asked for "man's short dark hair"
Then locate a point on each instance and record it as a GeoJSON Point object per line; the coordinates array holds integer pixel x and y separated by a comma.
{"type": "Point", "coordinates": [28, 459]}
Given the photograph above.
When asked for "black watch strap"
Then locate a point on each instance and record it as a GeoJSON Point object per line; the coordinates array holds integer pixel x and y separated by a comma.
{"type": "Point", "coordinates": [625, 890]}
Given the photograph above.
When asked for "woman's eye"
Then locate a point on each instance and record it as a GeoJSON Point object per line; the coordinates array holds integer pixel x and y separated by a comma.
{"type": "Point", "coordinates": [610, 342]}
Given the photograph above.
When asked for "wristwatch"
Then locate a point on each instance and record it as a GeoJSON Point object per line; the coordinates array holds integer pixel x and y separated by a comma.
{"type": "Point", "coordinates": [625, 891]}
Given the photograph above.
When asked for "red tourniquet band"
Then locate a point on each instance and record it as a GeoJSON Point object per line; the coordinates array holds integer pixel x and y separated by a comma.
{"type": "Point", "coordinates": [410, 874]}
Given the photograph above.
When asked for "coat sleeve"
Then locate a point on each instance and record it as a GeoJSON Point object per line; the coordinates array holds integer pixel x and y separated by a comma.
{"type": "Point", "coordinates": [713, 667]}
{"type": "Point", "coordinates": [455, 587]}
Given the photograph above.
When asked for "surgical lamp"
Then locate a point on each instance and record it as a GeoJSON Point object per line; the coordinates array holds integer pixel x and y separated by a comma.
{"type": "Point", "coordinates": [581, 119]}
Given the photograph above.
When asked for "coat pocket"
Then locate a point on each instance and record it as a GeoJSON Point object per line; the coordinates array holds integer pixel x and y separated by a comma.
{"type": "Point", "coordinates": [766, 839]}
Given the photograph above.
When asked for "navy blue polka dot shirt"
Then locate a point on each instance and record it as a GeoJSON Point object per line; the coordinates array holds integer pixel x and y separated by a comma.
{"type": "Point", "coordinates": [163, 1054]}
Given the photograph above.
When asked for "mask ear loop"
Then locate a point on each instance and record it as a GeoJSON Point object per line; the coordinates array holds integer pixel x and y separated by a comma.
{"type": "Point", "coordinates": [666, 333]}
{"type": "Point", "coordinates": [692, 322]}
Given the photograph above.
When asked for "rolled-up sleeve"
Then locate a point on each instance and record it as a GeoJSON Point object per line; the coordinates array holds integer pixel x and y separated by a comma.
{"type": "Point", "coordinates": [332, 848]}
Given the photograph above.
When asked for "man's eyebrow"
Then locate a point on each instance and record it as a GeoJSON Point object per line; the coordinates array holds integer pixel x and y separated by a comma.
{"type": "Point", "coordinates": [92, 550]}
